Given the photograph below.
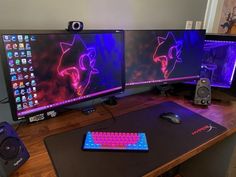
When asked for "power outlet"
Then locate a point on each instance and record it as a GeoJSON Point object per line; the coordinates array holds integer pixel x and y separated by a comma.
{"type": "Point", "coordinates": [189, 25]}
{"type": "Point", "coordinates": [198, 25]}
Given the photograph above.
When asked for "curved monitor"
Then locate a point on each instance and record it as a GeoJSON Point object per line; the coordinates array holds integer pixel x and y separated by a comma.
{"type": "Point", "coordinates": [47, 70]}
{"type": "Point", "coordinates": [162, 56]}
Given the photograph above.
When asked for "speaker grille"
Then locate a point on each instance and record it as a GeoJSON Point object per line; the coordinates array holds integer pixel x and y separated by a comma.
{"type": "Point", "coordinates": [9, 148]}
{"type": "Point", "coordinates": [203, 92]}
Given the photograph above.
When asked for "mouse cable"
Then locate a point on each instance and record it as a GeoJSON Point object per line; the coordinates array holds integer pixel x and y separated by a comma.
{"type": "Point", "coordinates": [109, 111]}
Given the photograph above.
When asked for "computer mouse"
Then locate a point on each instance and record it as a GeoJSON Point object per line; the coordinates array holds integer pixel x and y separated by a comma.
{"type": "Point", "coordinates": [172, 117]}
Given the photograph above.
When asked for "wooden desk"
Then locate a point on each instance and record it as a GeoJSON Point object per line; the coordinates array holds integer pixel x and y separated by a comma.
{"type": "Point", "coordinates": [39, 164]}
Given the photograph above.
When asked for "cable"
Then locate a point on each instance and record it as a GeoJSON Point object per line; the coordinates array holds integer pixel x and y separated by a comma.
{"type": "Point", "coordinates": [109, 111]}
{"type": "Point", "coordinates": [18, 126]}
{"type": "Point", "coordinates": [2, 101]}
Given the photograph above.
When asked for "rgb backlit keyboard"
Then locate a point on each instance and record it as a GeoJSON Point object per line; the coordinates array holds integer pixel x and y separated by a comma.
{"type": "Point", "coordinates": [115, 141]}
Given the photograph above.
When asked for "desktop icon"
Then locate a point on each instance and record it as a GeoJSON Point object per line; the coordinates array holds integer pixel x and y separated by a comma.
{"type": "Point", "coordinates": [16, 92]}
{"type": "Point", "coordinates": [8, 47]}
{"type": "Point", "coordinates": [21, 85]}
{"type": "Point", "coordinates": [14, 78]}
{"type": "Point", "coordinates": [19, 107]}
{"type": "Point", "coordinates": [24, 61]}
{"type": "Point", "coordinates": [18, 100]}
{"type": "Point", "coordinates": [27, 84]}
{"type": "Point", "coordinates": [16, 54]}
{"type": "Point", "coordinates": [13, 38]}
{"type": "Point", "coordinates": [30, 61]}
{"type": "Point", "coordinates": [15, 85]}
{"type": "Point", "coordinates": [22, 54]}
{"type": "Point", "coordinates": [31, 68]}
{"type": "Point", "coordinates": [28, 53]}
{"type": "Point", "coordinates": [26, 38]}
{"type": "Point", "coordinates": [18, 69]}
{"type": "Point", "coordinates": [31, 103]}
{"type": "Point", "coordinates": [32, 38]}
{"type": "Point", "coordinates": [20, 38]}
{"type": "Point", "coordinates": [25, 69]}
{"type": "Point", "coordinates": [26, 76]}
{"type": "Point", "coordinates": [24, 99]}
{"type": "Point", "coordinates": [25, 105]}
{"type": "Point", "coordinates": [20, 77]}
{"type": "Point", "coordinates": [29, 90]}
{"type": "Point", "coordinates": [32, 75]}
{"type": "Point", "coordinates": [27, 46]}
{"type": "Point", "coordinates": [22, 91]}
{"type": "Point", "coordinates": [35, 95]}
{"type": "Point", "coordinates": [17, 61]}
{"type": "Point", "coordinates": [36, 102]}
{"type": "Point", "coordinates": [33, 83]}
{"type": "Point", "coordinates": [6, 38]}
{"type": "Point", "coordinates": [15, 46]}
{"type": "Point", "coordinates": [9, 55]}
{"type": "Point", "coordinates": [11, 63]}
{"type": "Point", "coordinates": [21, 46]}
{"type": "Point", "coordinates": [30, 97]}
{"type": "Point", "coordinates": [12, 71]}
{"type": "Point", "coordinates": [34, 89]}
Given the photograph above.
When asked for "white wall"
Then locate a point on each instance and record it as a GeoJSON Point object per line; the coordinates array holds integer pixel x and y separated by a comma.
{"type": "Point", "coordinates": [99, 14]}
{"type": "Point", "coordinates": [127, 14]}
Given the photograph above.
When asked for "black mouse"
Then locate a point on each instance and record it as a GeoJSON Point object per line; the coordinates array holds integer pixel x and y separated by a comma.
{"type": "Point", "coordinates": [172, 117]}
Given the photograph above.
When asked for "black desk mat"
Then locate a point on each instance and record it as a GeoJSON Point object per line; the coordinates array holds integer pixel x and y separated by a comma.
{"type": "Point", "coordinates": [166, 142]}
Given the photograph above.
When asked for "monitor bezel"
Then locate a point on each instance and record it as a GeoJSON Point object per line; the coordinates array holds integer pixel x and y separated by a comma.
{"type": "Point", "coordinates": [167, 81]}
{"type": "Point", "coordinates": [7, 78]}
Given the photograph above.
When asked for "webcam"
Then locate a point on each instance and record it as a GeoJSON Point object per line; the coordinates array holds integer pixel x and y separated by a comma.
{"type": "Point", "coordinates": [75, 26]}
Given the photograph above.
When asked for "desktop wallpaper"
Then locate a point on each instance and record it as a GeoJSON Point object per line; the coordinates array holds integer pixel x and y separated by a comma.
{"type": "Point", "coordinates": [162, 55]}
{"type": "Point", "coordinates": [53, 69]}
{"type": "Point", "coordinates": [219, 62]}
{"type": "Point", "coordinates": [77, 65]}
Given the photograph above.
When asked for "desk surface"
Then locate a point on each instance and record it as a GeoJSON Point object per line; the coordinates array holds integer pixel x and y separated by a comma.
{"type": "Point", "coordinates": [39, 164]}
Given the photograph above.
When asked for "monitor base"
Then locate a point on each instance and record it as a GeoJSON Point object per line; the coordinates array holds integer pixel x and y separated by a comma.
{"type": "Point", "coordinates": [111, 101]}
{"type": "Point", "coordinates": [164, 90]}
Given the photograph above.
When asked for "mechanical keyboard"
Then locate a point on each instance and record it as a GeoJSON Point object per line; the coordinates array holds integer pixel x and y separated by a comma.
{"type": "Point", "coordinates": [115, 141]}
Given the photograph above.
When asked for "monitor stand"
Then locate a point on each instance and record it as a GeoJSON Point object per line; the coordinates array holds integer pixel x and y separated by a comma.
{"type": "Point", "coordinates": [164, 90]}
{"type": "Point", "coordinates": [111, 101]}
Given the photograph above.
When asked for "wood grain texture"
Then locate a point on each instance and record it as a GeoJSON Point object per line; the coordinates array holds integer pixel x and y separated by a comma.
{"type": "Point", "coordinates": [39, 164]}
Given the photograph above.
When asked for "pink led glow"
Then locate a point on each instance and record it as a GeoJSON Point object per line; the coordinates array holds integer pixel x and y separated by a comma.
{"type": "Point", "coordinates": [111, 139]}
{"type": "Point", "coordinates": [167, 52]}
{"type": "Point", "coordinates": [78, 63]}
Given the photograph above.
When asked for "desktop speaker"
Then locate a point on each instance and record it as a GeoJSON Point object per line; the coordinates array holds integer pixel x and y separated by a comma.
{"type": "Point", "coordinates": [203, 92]}
{"type": "Point", "coordinates": [13, 153]}
{"type": "Point", "coordinates": [75, 26]}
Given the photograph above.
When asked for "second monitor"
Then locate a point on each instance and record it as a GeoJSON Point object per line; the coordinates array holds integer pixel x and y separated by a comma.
{"type": "Point", "coordinates": [162, 56]}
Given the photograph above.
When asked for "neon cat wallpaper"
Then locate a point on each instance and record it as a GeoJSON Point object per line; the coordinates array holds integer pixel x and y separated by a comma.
{"type": "Point", "coordinates": [157, 55]}
{"type": "Point", "coordinates": [48, 70]}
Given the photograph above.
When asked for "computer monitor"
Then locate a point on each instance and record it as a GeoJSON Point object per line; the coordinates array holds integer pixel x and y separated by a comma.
{"type": "Point", "coordinates": [219, 61]}
{"type": "Point", "coordinates": [47, 70]}
{"type": "Point", "coordinates": [162, 56]}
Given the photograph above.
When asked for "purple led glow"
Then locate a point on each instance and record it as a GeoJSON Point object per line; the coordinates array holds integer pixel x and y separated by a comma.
{"type": "Point", "coordinates": [115, 141]}
{"type": "Point", "coordinates": [83, 67]}
{"type": "Point", "coordinates": [161, 80]}
{"type": "Point", "coordinates": [67, 101]}
{"type": "Point", "coordinates": [219, 62]}
{"type": "Point", "coordinates": [167, 50]}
